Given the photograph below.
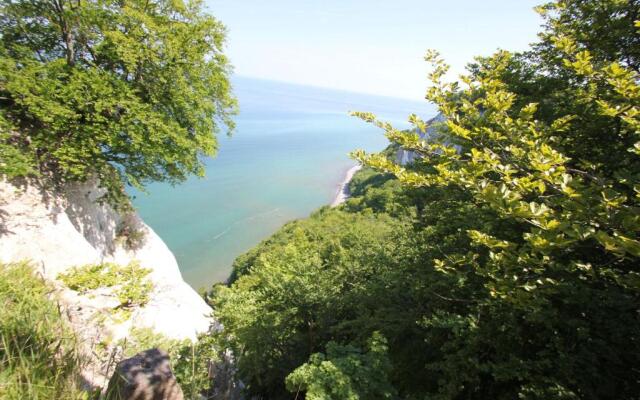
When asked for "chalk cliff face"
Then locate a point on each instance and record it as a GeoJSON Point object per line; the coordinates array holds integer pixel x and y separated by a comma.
{"type": "Point", "coordinates": [57, 231]}
{"type": "Point", "coordinates": [403, 156]}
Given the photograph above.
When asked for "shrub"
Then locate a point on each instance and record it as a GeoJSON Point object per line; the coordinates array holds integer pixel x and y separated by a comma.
{"type": "Point", "coordinates": [345, 373]}
{"type": "Point", "coordinates": [130, 283]}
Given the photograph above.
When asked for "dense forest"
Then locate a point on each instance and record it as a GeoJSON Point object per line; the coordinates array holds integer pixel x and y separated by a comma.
{"type": "Point", "coordinates": [502, 264]}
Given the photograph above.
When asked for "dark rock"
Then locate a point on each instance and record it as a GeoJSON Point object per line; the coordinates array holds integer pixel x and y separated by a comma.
{"type": "Point", "coordinates": [223, 372]}
{"type": "Point", "coordinates": [145, 376]}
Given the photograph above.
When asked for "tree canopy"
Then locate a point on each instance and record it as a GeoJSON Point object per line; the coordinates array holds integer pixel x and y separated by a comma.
{"type": "Point", "coordinates": [127, 92]}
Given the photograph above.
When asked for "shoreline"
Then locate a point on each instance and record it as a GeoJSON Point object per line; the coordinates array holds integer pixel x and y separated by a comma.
{"type": "Point", "coordinates": [343, 192]}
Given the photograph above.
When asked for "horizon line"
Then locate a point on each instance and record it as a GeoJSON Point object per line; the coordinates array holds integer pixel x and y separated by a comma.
{"type": "Point", "coordinates": [351, 91]}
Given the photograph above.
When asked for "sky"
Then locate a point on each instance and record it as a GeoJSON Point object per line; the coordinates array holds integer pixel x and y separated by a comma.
{"type": "Point", "coordinates": [368, 46]}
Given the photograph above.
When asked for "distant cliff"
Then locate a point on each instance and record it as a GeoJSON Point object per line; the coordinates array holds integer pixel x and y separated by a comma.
{"type": "Point", "coordinates": [405, 156]}
{"type": "Point", "coordinates": [59, 230]}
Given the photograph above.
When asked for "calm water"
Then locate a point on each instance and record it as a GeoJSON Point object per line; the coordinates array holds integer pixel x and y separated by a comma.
{"type": "Point", "coordinates": [286, 158]}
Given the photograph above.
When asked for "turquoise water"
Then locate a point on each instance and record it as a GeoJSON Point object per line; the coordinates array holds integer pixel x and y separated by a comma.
{"type": "Point", "coordinates": [286, 158]}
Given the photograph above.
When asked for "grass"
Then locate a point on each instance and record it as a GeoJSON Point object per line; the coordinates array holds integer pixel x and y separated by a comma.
{"type": "Point", "coordinates": [38, 357]}
{"type": "Point", "coordinates": [38, 352]}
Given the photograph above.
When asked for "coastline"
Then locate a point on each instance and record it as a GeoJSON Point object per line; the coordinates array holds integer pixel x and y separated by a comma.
{"type": "Point", "coordinates": [343, 193]}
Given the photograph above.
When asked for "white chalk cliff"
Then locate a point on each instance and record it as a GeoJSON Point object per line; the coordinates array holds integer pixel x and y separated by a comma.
{"type": "Point", "coordinates": [404, 157]}
{"type": "Point", "coordinates": [57, 231]}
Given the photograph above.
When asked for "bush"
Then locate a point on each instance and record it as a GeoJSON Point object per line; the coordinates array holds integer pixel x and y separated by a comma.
{"type": "Point", "coordinates": [130, 283]}
{"type": "Point", "coordinates": [345, 373]}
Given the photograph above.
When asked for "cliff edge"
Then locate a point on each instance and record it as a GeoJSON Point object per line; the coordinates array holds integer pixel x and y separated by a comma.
{"type": "Point", "coordinates": [57, 231]}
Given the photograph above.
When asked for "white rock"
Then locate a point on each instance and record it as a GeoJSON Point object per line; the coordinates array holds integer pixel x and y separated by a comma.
{"type": "Point", "coordinates": [59, 231]}
{"type": "Point", "coordinates": [404, 157]}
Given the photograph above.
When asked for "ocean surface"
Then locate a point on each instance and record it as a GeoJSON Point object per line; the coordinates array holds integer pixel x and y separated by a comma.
{"type": "Point", "coordinates": [287, 157]}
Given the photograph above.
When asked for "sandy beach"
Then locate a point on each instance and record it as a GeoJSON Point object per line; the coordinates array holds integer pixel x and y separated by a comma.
{"type": "Point", "coordinates": [343, 192]}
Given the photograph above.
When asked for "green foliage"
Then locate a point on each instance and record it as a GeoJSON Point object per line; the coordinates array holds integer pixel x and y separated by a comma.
{"type": "Point", "coordinates": [13, 162]}
{"type": "Point", "coordinates": [129, 283]}
{"type": "Point", "coordinates": [366, 178]}
{"type": "Point", "coordinates": [345, 373]}
{"type": "Point", "coordinates": [570, 254]}
{"type": "Point", "coordinates": [38, 358]}
{"type": "Point", "coordinates": [380, 193]}
{"type": "Point", "coordinates": [502, 264]}
{"type": "Point", "coordinates": [191, 363]}
{"type": "Point", "coordinates": [293, 292]}
{"type": "Point", "coordinates": [127, 92]}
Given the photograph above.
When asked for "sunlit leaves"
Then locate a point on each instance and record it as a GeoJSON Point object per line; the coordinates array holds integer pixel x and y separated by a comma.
{"type": "Point", "coordinates": [345, 373]}
{"type": "Point", "coordinates": [127, 93]}
{"type": "Point", "coordinates": [538, 167]}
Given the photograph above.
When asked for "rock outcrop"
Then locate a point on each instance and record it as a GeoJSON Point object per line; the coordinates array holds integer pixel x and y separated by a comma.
{"type": "Point", "coordinates": [59, 230]}
{"type": "Point", "coordinates": [145, 376]}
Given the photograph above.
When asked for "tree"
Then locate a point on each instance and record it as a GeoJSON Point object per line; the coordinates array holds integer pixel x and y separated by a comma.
{"type": "Point", "coordinates": [558, 165]}
{"type": "Point", "coordinates": [345, 373]}
{"type": "Point", "coordinates": [128, 92]}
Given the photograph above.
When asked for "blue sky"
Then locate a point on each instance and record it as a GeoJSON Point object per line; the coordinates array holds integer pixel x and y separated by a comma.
{"type": "Point", "coordinates": [368, 46]}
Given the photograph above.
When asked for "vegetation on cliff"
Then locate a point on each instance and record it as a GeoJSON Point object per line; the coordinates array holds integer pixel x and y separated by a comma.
{"type": "Point", "coordinates": [124, 91]}
{"type": "Point", "coordinates": [129, 284]}
{"type": "Point", "coordinates": [121, 92]}
{"type": "Point", "coordinates": [38, 356]}
{"type": "Point", "coordinates": [503, 263]}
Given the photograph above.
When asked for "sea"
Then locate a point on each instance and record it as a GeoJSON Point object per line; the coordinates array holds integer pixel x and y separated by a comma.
{"type": "Point", "coordinates": [287, 157]}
